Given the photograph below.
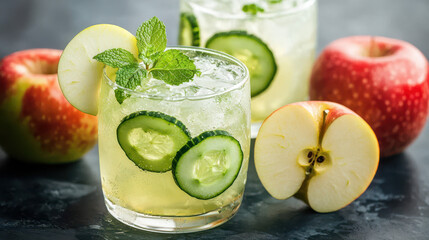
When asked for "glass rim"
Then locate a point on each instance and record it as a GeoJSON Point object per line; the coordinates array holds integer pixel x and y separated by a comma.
{"type": "Point", "coordinates": [243, 78]}
{"type": "Point", "coordinates": [284, 12]}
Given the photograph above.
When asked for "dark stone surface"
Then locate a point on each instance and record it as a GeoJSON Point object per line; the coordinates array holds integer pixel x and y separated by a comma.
{"type": "Point", "coordinates": [65, 202]}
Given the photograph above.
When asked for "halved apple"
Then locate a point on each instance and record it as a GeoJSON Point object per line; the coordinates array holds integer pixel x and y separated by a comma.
{"type": "Point", "coordinates": [320, 152]}
{"type": "Point", "coordinates": [79, 75]}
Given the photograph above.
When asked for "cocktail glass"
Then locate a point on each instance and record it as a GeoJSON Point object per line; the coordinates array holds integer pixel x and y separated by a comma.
{"type": "Point", "coordinates": [150, 197]}
{"type": "Point", "coordinates": [277, 45]}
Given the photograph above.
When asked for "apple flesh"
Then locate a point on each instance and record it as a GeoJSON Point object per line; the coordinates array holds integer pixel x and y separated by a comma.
{"type": "Point", "coordinates": [37, 123]}
{"type": "Point", "coordinates": [80, 75]}
{"type": "Point", "coordinates": [383, 80]}
{"type": "Point", "coordinates": [320, 152]}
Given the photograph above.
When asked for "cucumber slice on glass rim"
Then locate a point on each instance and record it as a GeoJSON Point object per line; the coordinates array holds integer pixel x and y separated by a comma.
{"type": "Point", "coordinates": [151, 139]}
{"type": "Point", "coordinates": [208, 164]}
{"type": "Point", "coordinates": [253, 52]}
{"type": "Point", "coordinates": [189, 32]}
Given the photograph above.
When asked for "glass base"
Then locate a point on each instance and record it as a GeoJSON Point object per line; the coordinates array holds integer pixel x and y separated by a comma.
{"type": "Point", "coordinates": [255, 129]}
{"type": "Point", "coordinates": [172, 224]}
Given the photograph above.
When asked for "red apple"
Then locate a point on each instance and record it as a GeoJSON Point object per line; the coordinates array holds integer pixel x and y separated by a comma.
{"type": "Point", "coordinates": [37, 124]}
{"type": "Point", "coordinates": [384, 80]}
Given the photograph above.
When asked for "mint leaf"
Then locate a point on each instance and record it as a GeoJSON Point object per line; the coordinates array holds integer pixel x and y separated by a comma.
{"type": "Point", "coordinates": [252, 9]}
{"type": "Point", "coordinates": [151, 40]}
{"type": "Point", "coordinates": [174, 67]}
{"type": "Point", "coordinates": [116, 57]}
{"type": "Point", "coordinates": [129, 77]}
{"type": "Point", "coordinates": [121, 95]}
{"type": "Point", "coordinates": [274, 1]}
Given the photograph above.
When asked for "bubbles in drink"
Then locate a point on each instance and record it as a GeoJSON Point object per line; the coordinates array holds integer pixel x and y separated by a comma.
{"type": "Point", "coordinates": [217, 76]}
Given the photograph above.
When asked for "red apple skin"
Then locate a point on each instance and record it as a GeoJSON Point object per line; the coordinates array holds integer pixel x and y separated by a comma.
{"type": "Point", "coordinates": [37, 123]}
{"type": "Point", "coordinates": [390, 91]}
{"type": "Point", "coordinates": [333, 110]}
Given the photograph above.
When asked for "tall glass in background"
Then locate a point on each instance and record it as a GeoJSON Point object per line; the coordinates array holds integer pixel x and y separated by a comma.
{"type": "Point", "coordinates": [277, 45]}
{"type": "Point", "coordinates": [218, 99]}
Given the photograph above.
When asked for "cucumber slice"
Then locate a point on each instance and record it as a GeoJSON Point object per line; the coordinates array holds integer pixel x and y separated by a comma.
{"type": "Point", "coordinates": [208, 164]}
{"type": "Point", "coordinates": [151, 139]}
{"type": "Point", "coordinates": [253, 52]}
{"type": "Point", "coordinates": [189, 32]}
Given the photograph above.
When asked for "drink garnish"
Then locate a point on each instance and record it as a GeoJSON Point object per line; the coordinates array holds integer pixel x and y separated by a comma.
{"type": "Point", "coordinates": [252, 9]}
{"type": "Point", "coordinates": [171, 66]}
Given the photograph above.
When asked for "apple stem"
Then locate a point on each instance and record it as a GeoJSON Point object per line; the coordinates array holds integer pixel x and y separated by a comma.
{"type": "Point", "coordinates": [322, 128]}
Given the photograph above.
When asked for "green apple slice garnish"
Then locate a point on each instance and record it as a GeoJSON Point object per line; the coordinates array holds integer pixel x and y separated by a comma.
{"type": "Point", "coordinates": [79, 75]}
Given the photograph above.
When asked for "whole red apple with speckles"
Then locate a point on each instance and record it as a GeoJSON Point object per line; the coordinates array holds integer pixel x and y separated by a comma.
{"type": "Point", "coordinates": [384, 80]}
{"type": "Point", "coordinates": [37, 124]}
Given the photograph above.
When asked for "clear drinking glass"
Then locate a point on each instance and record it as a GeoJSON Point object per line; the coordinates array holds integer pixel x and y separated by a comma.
{"type": "Point", "coordinates": [218, 99]}
{"type": "Point", "coordinates": [277, 45]}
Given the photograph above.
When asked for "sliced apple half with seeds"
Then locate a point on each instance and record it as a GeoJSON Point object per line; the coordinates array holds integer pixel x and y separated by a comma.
{"type": "Point", "coordinates": [79, 75]}
{"type": "Point", "coordinates": [320, 152]}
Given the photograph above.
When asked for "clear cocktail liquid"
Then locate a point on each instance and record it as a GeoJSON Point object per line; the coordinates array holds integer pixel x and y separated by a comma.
{"type": "Point", "coordinates": [218, 99]}
{"type": "Point", "coordinates": [287, 29]}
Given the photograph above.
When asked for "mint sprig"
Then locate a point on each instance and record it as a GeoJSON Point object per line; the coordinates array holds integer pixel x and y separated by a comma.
{"type": "Point", "coordinates": [252, 9]}
{"type": "Point", "coordinates": [151, 39]}
{"type": "Point", "coordinates": [274, 1]}
{"type": "Point", "coordinates": [121, 95]}
{"type": "Point", "coordinates": [116, 57]}
{"type": "Point", "coordinates": [130, 76]}
{"type": "Point", "coordinates": [174, 67]}
{"type": "Point", "coordinates": [171, 66]}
